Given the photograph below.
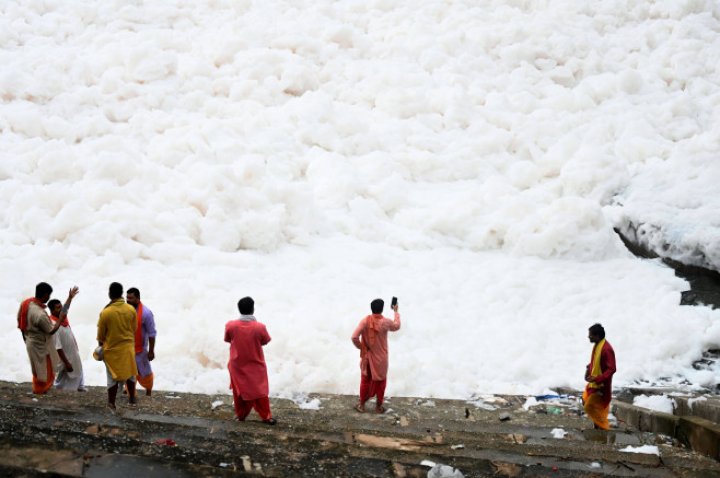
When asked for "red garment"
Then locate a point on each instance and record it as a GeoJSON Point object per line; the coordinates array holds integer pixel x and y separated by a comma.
{"type": "Point", "coordinates": [372, 388]}
{"type": "Point", "coordinates": [243, 407]}
{"type": "Point", "coordinates": [23, 312]}
{"type": "Point", "coordinates": [248, 372]}
{"type": "Point", "coordinates": [139, 331]}
{"type": "Point", "coordinates": [374, 346]}
{"type": "Point", "coordinates": [41, 388]}
{"type": "Point", "coordinates": [607, 365]}
{"type": "Point", "coordinates": [65, 322]}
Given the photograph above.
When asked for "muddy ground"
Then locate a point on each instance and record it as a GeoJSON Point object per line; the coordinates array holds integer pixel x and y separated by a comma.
{"type": "Point", "coordinates": [180, 434]}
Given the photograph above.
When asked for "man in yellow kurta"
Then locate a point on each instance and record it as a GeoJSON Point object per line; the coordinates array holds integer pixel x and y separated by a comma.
{"type": "Point", "coordinates": [116, 336]}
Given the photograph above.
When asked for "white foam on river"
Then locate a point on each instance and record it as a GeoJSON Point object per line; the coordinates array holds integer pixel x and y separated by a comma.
{"type": "Point", "coordinates": [471, 158]}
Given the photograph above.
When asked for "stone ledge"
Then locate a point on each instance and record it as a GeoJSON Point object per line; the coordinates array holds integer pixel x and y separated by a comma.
{"type": "Point", "coordinates": [699, 434]}
{"type": "Point", "coordinates": [644, 419]}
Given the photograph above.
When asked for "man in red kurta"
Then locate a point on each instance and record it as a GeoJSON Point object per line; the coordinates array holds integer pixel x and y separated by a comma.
{"type": "Point", "coordinates": [599, 373]}
{"type": "Point", "coordinates": [248, 372]}
{"type": "Point", "coordinates": [370, 336]}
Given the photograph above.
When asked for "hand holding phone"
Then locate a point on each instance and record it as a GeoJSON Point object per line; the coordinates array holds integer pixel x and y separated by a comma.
{"type": "Point", "coordinates": [394, 303]}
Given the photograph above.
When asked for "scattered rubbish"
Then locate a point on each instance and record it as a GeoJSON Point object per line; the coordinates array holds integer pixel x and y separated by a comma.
{"type": "Point", "coordinates": [595, 464]}
{"type": "Point", "coordinates": [504, 416]}
{"type": "Point", "coordinates": [444, 471]}
{"type": "Point", "coordinates": [304, 402]}
{"type": "Point", "coordinates": [165, 441]}
{"type": "Point", "coordinates": [216, 404]}
{"type": "Point", "coordinates": [517, 438]}
{"type": "Point", "coordinates": [224, 465]}
{"type": "Point", "coordinates": [457, 447]}
{"type": "Point", "coordinates": [480, 403]}
{"type": "Point", "coordinates": [530, 402]}
{"type": "Point", "coordinates": [558, 433]}
{"type": "Point", "coordinates": [553, 410]}
{"type": "Point", "coordinates": [247, 464]}
{"type": "Point", "coordinates": [34, 399]}
{"type": "Point", "coordinates": [427, 463]}
{"type": "Point", "coordinates": [550, 397]}
{"type": "Point", "coordinates": [467, 412]}
{"type": "Point", "coordinates": [644, 449]}
{"type": "Point", "coordinates": [172, 396]}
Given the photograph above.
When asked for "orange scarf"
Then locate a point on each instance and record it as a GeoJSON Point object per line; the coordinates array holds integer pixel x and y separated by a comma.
{"type": "Point", "coordinates": [138, 331]}
{"type": "Point", "coordinates": [23, 312]}
{"type": "Point", "coordinates": [65, 322]}
{"type": "Point", "coordinates": [369, 335]}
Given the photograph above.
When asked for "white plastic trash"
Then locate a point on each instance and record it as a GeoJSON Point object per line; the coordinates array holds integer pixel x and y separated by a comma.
{"type": "Point", "coordinates": [444, 471]}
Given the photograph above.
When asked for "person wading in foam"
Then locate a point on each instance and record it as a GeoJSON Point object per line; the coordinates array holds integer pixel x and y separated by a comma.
{"type": "Point", "coordinates": [598, 375]}
{"type": "Point", "coordinates": [144, 340]}
{"type": "Point", "coordinates": [370, 336]}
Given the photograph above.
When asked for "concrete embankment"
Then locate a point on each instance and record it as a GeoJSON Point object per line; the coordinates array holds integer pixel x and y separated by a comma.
{"type": "Point", "coordinates": [178, 434]}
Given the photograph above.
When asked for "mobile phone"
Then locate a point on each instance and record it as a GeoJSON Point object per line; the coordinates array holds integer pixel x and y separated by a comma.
{"type": "Point", "coordinates": [394, 302]}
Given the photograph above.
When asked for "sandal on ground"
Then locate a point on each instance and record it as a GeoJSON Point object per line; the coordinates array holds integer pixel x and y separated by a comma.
{"type": "Point", "coordinates": [270, 421]}
{"type": "Point", "coordinates": [379, 409]}
{"type": "Point", "coordinates": [360, 408]}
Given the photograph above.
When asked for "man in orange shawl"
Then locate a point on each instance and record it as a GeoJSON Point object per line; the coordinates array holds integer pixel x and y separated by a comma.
{"type": "Point", "coordinates": [370, 336]}
{"type": "Point", "coordinates": [598, 374]}
{"type": "Point", "coordinates": [116, 336]}
{"type": "Point", "coordinates": [144, 340]}
{"type": "Point", "coordinates": [37, 330]}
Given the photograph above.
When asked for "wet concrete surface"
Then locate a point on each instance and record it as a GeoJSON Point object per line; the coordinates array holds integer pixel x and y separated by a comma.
{"type": "Point", "coordinates": [178, 434]}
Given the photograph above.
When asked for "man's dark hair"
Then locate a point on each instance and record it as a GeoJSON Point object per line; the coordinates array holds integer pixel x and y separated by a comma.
{"type": "Point", "coordinates": [597, 330]}
{"type": "Point", "coordinates": [116, 290]}
{"type": "Point", "coordinates": [246, 306]}
{"type": "Point", "coordinates": [377, 306]}
{"type": "Point", "coordinates": [52, 304]}
{"type": "Point", "coordinates": [134, 291]}
{"type": "Point", "coordinates": [43, 289]}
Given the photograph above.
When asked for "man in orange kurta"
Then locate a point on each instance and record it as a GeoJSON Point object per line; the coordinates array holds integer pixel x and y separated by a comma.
{"type": "Point", "coordinates": [248, 371]}
{"type": "Point", "coordinates": [116, 336]}
{"type": "Point", "coordinates": [598, 374]}
{"type": "Point", "coordinates": [370, 336]}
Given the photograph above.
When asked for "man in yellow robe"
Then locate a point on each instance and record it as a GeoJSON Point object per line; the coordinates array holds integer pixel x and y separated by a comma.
{"type": "Point", "coordinates": [599, 374]}
{"type": "Point", "coordinates": [116, 336]}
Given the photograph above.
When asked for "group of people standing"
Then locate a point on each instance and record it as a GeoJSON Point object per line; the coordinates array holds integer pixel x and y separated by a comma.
{"type": "Point", "coordinates": [126, 344]}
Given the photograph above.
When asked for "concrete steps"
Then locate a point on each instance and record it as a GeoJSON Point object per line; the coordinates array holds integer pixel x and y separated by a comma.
{"type": "Point", "coordinates": [73, 435]}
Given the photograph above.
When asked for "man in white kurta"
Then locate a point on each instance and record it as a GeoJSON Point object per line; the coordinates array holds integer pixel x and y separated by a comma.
{"type": "Point", "coordinates": [69, 372]}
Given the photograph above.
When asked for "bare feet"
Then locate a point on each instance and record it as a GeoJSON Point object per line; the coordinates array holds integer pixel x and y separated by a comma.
{"type": "Point", "coordinates": [360, 407]}
{"type": "Point", "coordinates": [379, 409]}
